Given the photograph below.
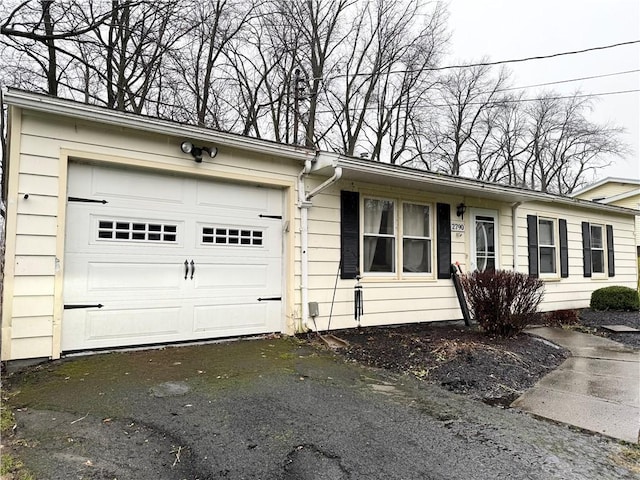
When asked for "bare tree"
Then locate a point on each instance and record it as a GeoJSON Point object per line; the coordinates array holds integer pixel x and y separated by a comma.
{"type": "Point", "coordinates": [564, 145]}
{"type": "Point", "coordinates": [42, 34]}
{"type": "Point", "coordinates": [465, 95]}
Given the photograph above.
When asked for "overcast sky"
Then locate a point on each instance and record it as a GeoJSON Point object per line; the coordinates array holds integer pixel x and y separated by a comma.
{"type": "Point", "coordinates": [508, 29]}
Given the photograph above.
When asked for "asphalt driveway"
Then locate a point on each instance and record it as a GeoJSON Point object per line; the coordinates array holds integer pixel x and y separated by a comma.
{"type": "Point", "coordinates": [277, 409]}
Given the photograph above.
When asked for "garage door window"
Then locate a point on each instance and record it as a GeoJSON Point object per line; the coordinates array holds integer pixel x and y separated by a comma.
{"type": "Point", "coordinates": [231, 236]}
{"type": "Point", "coordinates": [136, 231]}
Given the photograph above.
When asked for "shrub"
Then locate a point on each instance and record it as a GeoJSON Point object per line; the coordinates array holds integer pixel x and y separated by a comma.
{"type": "Point", "coordinates": [560, 317]}
{"type": "Point", "coordinates": [502, 302]}
{"type": "Point", "coordinates": [615, 298]}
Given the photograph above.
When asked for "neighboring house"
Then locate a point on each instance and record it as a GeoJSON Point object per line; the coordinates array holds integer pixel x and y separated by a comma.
{"type": "Point", "coordinates": [615, 191]}
{"type": "Point", "coordinates": [117, 237]}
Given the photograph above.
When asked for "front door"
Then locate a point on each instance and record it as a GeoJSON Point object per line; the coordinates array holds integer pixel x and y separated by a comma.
{"type": "Point", "coordinates": [484, 242]}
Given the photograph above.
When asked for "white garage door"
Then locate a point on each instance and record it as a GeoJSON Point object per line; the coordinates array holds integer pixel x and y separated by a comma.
{"type": "Point", "coordinates": [153, 258]}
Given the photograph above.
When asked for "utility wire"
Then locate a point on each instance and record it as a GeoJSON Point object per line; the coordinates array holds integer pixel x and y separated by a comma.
{"type": "Point", "coordinates": [497, 62]}
{"type": "Point", "coordinates": [503, 101]}
{"type": "Point", "coordinates": [569, 80]}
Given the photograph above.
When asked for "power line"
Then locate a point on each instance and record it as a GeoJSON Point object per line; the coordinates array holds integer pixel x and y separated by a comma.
{"type": "Point", "coordinates": [497, 62]}
{"type": "Point", "coordinates": [503, 101]}
{"type": "Point", "coordinates": [569, 80]}
{"type": "Point", "coordinates": [540, 57]}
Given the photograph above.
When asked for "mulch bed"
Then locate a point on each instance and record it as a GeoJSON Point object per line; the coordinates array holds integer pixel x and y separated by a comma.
{"type": "Point", "coordinates": [467, 361]}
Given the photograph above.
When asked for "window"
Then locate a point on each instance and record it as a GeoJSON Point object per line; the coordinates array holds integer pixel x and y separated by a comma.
{"type": "Point", "coordinates": [382, 235]}
{"type": "Point", "coordinates": [597, 249]}
{"type": "Point", "coordinates": [379, 236]}
{"type": "Point", "coordinates": [547, 246]}
{"type": "Point", "coordinates": [416, 238]}
{"type": "Point", "coordinates": [547, 242]}
{"type": "Point", "coordinates": [136, 231]}
{"type": "Point", "coordinates": [231, 236]}
{"type": "Point", "coordinates": [598, 253]}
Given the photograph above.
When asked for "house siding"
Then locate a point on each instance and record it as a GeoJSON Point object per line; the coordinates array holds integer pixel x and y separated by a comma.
{"type": "Point", "coordinates": [41, 147]}
{"type": "Point", "coordinates": [406, 300]}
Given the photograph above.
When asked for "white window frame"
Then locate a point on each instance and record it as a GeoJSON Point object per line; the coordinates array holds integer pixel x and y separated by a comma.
{"type": "Point", "coordinates": [398, 239]}
{"type": "Point", "coordinates": [556, 248]}
{"type": "Point", "coordinates": [415, 237]}
{"type": "Point", "coordinates": [393, 236]}
{"type": "Point", "coordinates": [603, 249]}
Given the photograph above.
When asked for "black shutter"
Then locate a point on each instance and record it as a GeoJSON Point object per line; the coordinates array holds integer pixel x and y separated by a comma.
{"type": "Point", "coordinates": [444, 240]}
{"type": "Point", "coordinates": [564, 249]}
{"type": "Point", "coordinates": [349, 234]}
{"type": "Point", "coordinates": [532, 243]}
{"type": "Point", "coordinates": [610, 256]}
{"type": "Point", "coordinates": [586, 249]}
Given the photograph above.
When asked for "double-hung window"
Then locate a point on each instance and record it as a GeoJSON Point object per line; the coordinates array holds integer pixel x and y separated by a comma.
{"type": "Point", "coordinates": [396, 237]}
{"type": "Point", "coordinates": [597, 249]}
{"type": "Point", "coordinates": [547, 246]}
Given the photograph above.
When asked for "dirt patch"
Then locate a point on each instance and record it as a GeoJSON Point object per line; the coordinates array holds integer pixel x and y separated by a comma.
{"type": "Point", "coordinates": [463, 360]}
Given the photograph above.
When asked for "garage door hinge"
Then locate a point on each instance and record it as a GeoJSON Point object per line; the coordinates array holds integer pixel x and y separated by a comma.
{"type": "Point", "coordinates": [73, 307]}
{"type": "Point", "coordinates": [86, 200]}
{"type": "Point", "coordinates": [279, 217]}
{"type": "Point", "coordinates": [270, 299]}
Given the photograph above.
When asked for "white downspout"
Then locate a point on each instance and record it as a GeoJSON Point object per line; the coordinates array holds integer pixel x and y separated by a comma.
{"type": "Point", "coordinates": [304, 203]}
{"type": "Point", "coordinates": [514, 233]}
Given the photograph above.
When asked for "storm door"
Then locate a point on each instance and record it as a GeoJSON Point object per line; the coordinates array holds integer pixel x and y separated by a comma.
{"type": "Point", "coordinates": [484, 241]}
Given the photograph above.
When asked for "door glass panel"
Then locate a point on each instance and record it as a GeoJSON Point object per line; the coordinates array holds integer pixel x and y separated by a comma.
{"type": "Point", "coordinates": [485, 253]}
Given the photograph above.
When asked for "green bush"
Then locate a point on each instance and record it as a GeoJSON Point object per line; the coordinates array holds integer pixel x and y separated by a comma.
{"type": "Point", "coordinates": [615, 298]}
{"type": "Point", "coordinates": [502, 302]}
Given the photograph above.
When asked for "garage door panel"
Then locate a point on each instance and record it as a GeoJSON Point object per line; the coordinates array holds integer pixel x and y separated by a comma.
{"type": "Point", "coordinates": [231, 276]}
{"type": "Point", "coordinates": [129, 277]}
{"type": "Point", "coordinates": [106, 327]}
{"type": "Point", "coordinates": [233, 319]}
{"type": "Point", "coordinates": [131, 185]}
{"type": "Point", "coordinates": [233, 199]}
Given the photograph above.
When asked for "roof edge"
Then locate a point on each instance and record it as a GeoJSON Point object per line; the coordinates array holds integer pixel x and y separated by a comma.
{"type": "Point", "coordinates": [73, 109]}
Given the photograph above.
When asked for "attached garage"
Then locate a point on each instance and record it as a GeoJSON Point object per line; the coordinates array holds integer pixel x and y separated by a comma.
{"type": "Point", "coordinates": [153, 258]}
{"type": "Point", "coordinates": [117, 237]}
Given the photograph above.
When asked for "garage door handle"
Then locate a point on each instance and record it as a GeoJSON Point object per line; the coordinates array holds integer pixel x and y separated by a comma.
{"type": "Point", "coordinates": [193, 268]}
{"type": "Point", "coordinates": [186, 269]}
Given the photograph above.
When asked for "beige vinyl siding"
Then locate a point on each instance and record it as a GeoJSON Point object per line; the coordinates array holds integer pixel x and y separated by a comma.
{"type": "Point", "coordinates": [387, 299]}
{"type": "Point", "coordinates": [41, 146]}
{"type": "Point", "coordinates": [575, 291]}
{"type": "Point", "coordinates": [392, 300]}
{"type": "Point", "coordinates": [609, 189]}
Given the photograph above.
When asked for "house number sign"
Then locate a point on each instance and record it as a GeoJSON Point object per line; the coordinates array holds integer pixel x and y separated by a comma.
{"type": "Point", "coordinates": [457, 227]}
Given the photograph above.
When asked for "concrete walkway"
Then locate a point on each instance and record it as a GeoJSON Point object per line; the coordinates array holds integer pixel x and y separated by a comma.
{"type": "Point", "coordinates": [597, 388]}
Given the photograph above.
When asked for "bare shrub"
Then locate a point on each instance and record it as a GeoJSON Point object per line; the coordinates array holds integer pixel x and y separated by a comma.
{"type": "Point", "coordinates": [502, 302]}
